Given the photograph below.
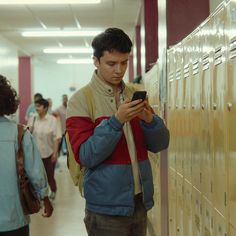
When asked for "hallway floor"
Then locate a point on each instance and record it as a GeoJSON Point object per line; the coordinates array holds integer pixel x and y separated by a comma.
{"type": "Point", "coordinates": [67, 218]}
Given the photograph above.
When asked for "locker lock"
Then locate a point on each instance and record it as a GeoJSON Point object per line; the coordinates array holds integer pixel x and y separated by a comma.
{"type": "Point", "coordinates": [203, 107]}
{"type": "Point", "coordinates": [214, 106]}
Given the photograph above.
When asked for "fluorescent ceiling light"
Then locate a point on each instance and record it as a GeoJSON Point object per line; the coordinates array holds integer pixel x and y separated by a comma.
{"type": "Point", "coordinates": [42, 2]}
{"type": "Point", "coordinates": [68, 50]}
{"type": "Point", "coordinates": [78, 33]}
{"type": "Point", "coordinates": [75, 61]}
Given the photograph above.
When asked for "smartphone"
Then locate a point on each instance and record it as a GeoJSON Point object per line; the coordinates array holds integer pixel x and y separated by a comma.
{"type": "Point", "coordinates": [139, 95]}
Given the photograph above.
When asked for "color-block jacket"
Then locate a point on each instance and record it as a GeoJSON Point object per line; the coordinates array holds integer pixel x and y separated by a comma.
{"type": "Point", "coordinates": [98, 143]}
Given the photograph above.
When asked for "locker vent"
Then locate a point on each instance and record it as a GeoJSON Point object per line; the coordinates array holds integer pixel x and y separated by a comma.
{"type": "Point", "coordinates": [171, 77]}
{"type": "Point", "coordinates": [218, 56]}
{"type": "Point", "coordinates": [232, 48]}
{"type": "Point", "coordinates": [205, 62]}
{"type": "Point", "coordinates": [195, 67]}
{"type": "Point", "coordinates": [178, 74]}
{"type": "Point", "coordinates": [186, 71]}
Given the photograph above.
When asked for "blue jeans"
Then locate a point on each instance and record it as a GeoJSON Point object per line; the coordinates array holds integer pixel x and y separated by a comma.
{"type": "Point", "coordinates": [107, 225]}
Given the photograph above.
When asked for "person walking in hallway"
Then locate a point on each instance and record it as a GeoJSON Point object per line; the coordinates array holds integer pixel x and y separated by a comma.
{"type": "Point", "coordinates": [13, 222]}
{"type": "Point", "coordinates": [47, 135]}
{"type": "Point", "coordinates": [112, 141]}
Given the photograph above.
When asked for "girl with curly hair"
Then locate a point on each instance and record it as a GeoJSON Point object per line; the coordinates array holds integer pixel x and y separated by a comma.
{"type": "Point", "coordinates": [13, 222]}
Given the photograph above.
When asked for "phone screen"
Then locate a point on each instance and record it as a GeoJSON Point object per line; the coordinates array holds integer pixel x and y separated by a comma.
{"type": "Point", "coordinates": [139, 95]}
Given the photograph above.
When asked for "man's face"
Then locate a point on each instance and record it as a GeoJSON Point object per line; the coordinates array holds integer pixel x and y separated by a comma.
{"type": "Point", "coordinates": [111, 67]}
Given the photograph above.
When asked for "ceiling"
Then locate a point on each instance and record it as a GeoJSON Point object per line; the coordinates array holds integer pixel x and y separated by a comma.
{"type": "Point", "coordinates": [109, 13]}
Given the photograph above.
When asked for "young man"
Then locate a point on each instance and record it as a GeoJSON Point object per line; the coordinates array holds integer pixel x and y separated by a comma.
{"type": "Point", "coordinates": [112, 143]}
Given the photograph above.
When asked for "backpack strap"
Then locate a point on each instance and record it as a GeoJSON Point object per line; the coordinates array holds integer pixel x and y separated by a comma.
{"type": "Point", "coordinates": [20, 154]}
{"type": "Point", "coordinates": [90, 101]}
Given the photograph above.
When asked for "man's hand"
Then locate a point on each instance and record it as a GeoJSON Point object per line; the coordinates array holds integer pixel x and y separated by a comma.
{"type": "Point", "coordinates": [130, 109]}
{"type": "Point", "coordinates": [147, 114]}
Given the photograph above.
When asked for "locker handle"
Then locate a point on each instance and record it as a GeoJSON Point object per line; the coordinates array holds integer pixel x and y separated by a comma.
{"type": "Point", "coordinates": [193, 106]}
{"type": "Point", "coordinates": [184, 106]}
{"type": "Point", "coordinates": [214, 106]}
{"type": "Point", "coordinates": [229, 105]}
{"type": "Point", "coordinates": [203, 107]}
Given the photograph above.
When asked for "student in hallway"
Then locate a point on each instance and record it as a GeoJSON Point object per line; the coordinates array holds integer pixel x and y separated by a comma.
{"type": "Point", "coordinates": [13, 222]}
{"type": "Point", "coordinates": [113, 143]}
{"type": "Point", "coordinates": [31, 108]}
{"type": "Point", "coordinates": [47, 135]}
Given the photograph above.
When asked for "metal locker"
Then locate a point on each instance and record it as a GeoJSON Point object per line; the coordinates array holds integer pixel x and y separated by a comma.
{"type": "Point", "coordinates": [171, 104]}
{"type": "Point", "coordinates": [178, 110]}
{"type": "Point", "coordinates": [154, 215]}
{"type": "Point", "coordinates": [218, 109]}
{"type": "Point", "coordinates": [187, 48]}
{"type": "Point", "coordinates": [220, 225]}
{"type": "Point", "coordinates": [207, 217]}
{"type": "Point", "coordinates": [187, 208]}
{"type": "Point", "coordinates": [231, 113]}
{"type": "Point", "coordinates": [232, 230]}
{"type": "Point", "coordinates": [196, 212]}
{"type": "Point", "coordinates": [172, 201]}
{"type": "Point", "coordinates": [179, 205]}
{"type": "Point", "coordinates": [195, 110]}
{"type": "Point", "coordinates": [206, 112]}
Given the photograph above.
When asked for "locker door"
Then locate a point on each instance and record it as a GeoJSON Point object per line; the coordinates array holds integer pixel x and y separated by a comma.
{"type": "Point", "coordinates": [154, 215]}
{"type": "Point", "coordinates": [232, 231]}
{"type": "Point", "coordinates": [207, 217]}
{"type": "Point", "coordinates": [196, 125]}
{"type": "Point", "coordinates": [218, 106]}
{"type": "Point", "coordinates": [219, 184]}
{"type": "Point", "coordinates": [171, 108]}
{"type": "Point", "coordinates": [196, 212]}
{"type": "Point", "coordinates": [206, 128]}
{"type": "Point", "coordinates": [179, 205]}
{"type": "Point", "coordinates": [178, 115]}
{"type": "Point", "coordinates": [178, 103]}
{"type": "Point", "coordinates": [172, 202]}
{"type": "Point", "coordinates": [231, 130]}
{"type": "Point", "coordinates": [186, 110]}
{"type": "Point", "coordinates": [220, 226]}
{"type": "Point", "coordinates": [187, 208]}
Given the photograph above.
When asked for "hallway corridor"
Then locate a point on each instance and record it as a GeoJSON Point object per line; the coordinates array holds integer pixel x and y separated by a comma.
{"type": "Point", "coordinates": [67, 218]}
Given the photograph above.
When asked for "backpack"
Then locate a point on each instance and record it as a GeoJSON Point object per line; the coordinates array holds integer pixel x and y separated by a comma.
{"type": "Point", "coordinates": [77, 171]}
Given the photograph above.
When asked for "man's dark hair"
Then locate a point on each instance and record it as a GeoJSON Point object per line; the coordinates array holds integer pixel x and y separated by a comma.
{"type": "Point", "coordinates": [111, 39]}
{"type": "Point", "coordinates": [8, 97]}
{"type": "Point", "coordinates": [42, 102]}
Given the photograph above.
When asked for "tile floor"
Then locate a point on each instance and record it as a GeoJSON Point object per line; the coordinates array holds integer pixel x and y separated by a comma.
{"type": "Point", "coordinates": [67, 218]}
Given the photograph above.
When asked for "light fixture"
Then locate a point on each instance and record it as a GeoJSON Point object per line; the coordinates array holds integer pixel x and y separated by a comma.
{"type": "Point", "coordinates": [75, 61]}
{"type": "Point", "coordinates": [42, 2]}
{"type": "Point", "coordinates": [54, 33]}
{"type": "Point", "coordinates": [67, 50]}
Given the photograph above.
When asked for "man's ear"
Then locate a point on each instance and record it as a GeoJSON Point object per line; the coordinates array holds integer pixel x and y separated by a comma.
{"type": "Point", "coordinates": [96, 61]}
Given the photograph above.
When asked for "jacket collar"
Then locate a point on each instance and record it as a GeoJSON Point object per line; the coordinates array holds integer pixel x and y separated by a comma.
{"type": "Point", "coordinates": [103, 88]}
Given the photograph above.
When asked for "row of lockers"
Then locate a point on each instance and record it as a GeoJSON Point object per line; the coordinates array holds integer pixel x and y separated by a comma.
{"type": "Point", "coordinates": [201, 78]}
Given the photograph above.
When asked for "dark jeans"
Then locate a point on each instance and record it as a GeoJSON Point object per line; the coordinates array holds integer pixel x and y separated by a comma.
{"type": "Point", "coordinates": [50, 169]}
{"type": "Point", "coordinates": [107, 225]}
{"type": "Point", "coordinates": [24, 231]}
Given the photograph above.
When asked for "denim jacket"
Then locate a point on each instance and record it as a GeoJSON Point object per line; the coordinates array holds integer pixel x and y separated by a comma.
{"type": "Point", "coordinates": [11, 213]}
